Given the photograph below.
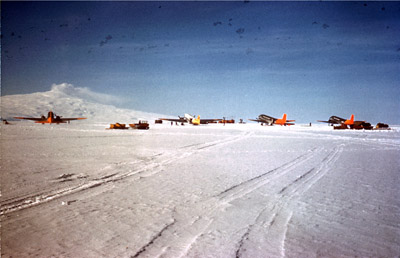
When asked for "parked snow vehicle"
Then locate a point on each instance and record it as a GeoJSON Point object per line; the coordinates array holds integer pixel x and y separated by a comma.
{"type": "Point", "coordinates": [227, 121]}
{"type": "Point", "coordinates": [117, 126]}
{"type": "Point", "coordinates": [359, 125]}
{"type": "Point", "coordinates": [142, 125]}
{"type": "Point", "coordinates": [340, 127]}
{"type": "Point", "coordinates": [382, 126]}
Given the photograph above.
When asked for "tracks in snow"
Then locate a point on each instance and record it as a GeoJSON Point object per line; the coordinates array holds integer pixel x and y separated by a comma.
{"type": "Point", "coordinates": [273, 223]}
{"type": "Point", "coordinates": [146, 168]}
{"type": "Point", "coordinates": [252, 184]}
{"type": "Point", "coordinates": [191, 223]}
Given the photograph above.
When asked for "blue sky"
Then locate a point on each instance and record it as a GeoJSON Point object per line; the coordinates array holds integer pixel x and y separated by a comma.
{"type": "Point", "coordinates": [237, 59]}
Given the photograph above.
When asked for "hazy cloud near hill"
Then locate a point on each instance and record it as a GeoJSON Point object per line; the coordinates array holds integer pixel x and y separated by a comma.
{"type": "Point", "coordinates": [84, 93]}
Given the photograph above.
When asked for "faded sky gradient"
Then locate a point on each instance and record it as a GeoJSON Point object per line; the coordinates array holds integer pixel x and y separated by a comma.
{"type": "Point", "coordinates": [234, 59]}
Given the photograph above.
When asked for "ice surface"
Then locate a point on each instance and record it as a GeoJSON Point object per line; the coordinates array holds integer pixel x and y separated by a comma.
{"type": "Point", "coordinates": [78, 190]}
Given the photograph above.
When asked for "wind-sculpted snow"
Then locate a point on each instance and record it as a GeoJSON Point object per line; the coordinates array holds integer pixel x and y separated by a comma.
{"type": "Point", "coordinates": [69, 101]}
{"type": "Point", "coordinates": [77, 190]}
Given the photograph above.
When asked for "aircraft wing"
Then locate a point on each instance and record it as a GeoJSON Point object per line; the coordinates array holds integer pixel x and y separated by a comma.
{"type": "Point", "coordinates": [262, 121]}
{"type": "Point", "coordinates": [206, 121]}
{"type": "Point", "coordinates": [30, 118]}
{"type": "Point", "coordinates": [289, 123]}
{"type": "Point", "coordinates": [69, 119]}
{"type": "Point", "coordinates": [180, 120]}
{"type": "Point", "coordinates": [257, 120]}
{"type": "Point", "coordinates": [290, 120]}
{"type": "Point", "coordinates": [333, 120]}
{"type": "Point", "coordinates": [329, 122]}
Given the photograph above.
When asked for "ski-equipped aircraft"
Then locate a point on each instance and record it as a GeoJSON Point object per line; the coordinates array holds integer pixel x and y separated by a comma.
{"type": "Point", "coordinates": [191, 119]}
{"type": "Point", "coordinates": [338, 120]}
{"type": "Point", "coordinates": [51, 119]}
{"type": "Point", "coordinates": [349, 123]}
{"type": "Point", "coordinates": [269, 120]}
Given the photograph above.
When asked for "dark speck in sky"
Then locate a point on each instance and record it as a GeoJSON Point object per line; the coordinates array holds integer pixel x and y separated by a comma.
{"type": "Point", "coordinates": [325, 26]}
{"type": "Point", "coordinates": [240, 31]}
{"type": "Point", "coordinates": [103, 42]}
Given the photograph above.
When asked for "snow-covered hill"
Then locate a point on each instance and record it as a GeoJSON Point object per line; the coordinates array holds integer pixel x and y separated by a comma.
{"type": "Point", "coordinates": [67, 100]}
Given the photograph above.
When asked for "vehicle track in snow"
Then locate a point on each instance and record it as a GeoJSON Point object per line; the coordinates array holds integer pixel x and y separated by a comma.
{"type": "Point", "coordinates": [274, 222]}
{"type": "Point", "coordinates": [252, 184]}
{"type": "Point", "coordinates": [146, 168]}
{"type": "Point", "coordinates": [192, 222]}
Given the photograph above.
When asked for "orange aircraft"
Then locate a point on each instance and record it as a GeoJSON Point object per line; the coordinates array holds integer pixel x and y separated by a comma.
{"type": "Point", "coordinates": [51, 119]}
{"type": "Point", "coordinates": [269, 120]}
{"type": "Point", "coordinates": [338, 120]}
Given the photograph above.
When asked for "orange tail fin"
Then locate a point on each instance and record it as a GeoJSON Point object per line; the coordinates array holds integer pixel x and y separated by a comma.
{"type": "Point", "coordinates": [350, 121]}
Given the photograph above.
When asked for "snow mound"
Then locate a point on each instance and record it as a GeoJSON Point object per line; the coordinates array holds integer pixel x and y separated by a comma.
{"type": "Point", "coordinates": [67, 100]}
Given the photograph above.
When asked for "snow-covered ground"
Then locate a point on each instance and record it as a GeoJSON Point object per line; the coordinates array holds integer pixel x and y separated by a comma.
{"type": "Point", "coordinates": [78, 190]}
